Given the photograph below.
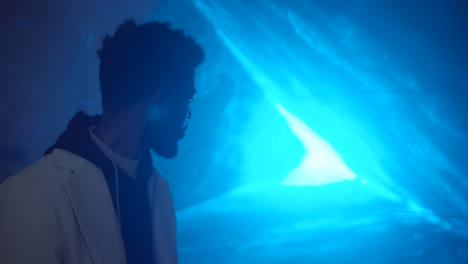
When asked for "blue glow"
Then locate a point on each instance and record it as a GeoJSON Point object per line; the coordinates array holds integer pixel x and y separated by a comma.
{"type": "Point", "coordinates": [155, 113]}
{"type": "Point", "coordinates": [321, 164]}
{"type": "Point", "coordinates": [361, 106]}
{"type": "Point", "coordinates": [319, 93]}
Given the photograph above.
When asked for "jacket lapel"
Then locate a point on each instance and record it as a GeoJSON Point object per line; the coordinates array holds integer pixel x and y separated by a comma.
{"type": "Point", "coordinates": [92, 205]}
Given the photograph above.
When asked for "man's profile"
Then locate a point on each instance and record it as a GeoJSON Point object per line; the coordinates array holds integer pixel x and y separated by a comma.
{"type": "Point", "coordinates": [94, 196]}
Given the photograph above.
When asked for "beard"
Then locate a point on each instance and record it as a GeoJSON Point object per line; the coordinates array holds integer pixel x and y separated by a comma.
{"type": "Point", "coordinates": [163, 140]}
{"type": "Point", "coordinates": [165, 148]}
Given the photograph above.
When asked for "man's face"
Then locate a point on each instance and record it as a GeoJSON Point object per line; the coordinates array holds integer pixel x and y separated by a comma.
{"type": "Point", "coordinates": [167, 119]}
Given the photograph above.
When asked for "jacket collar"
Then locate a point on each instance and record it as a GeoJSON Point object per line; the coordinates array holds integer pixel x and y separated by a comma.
{"type": "Point", "coordinates": [92, 205]}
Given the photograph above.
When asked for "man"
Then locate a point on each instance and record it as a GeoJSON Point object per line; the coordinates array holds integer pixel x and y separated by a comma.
{"type": "Point", "coordinates": [94, 196]}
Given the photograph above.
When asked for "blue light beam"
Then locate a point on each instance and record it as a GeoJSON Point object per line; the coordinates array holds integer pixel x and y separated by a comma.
{"type": "Point", "coordinates": [321, 164]}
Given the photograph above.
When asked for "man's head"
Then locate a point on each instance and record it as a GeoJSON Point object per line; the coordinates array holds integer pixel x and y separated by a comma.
{"type": "Point", "coordinates": [150, 65]}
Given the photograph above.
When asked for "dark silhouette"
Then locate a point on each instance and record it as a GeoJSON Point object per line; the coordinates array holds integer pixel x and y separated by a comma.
{"type": "Point", "coordinates": [94, 197]}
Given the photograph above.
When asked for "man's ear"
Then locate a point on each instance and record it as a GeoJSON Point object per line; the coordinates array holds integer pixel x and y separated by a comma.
{"type": "Point", "coordinates": [153, 106]}
{"type": "Point", "coordinates": [158, 97]}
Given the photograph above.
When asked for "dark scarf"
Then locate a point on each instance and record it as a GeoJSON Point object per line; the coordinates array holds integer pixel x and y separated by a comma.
{"type": "Point", "coordinates": [135, 211]}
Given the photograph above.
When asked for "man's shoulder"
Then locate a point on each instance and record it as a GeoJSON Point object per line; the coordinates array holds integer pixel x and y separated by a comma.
{"type": "Point", "coordinates": [42, 170]}
{"type": "Point", "coordinates": [159, 180]}
{"type": "Point", "coordinates": [42, 174]}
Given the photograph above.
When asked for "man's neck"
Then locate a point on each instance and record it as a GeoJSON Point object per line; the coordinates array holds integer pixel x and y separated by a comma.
{"type": "Point", "coordinates": [122, 133]}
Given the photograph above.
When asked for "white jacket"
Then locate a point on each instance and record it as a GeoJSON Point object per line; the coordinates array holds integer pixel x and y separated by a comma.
{"type": "Point", "coordinates": [59, 210]}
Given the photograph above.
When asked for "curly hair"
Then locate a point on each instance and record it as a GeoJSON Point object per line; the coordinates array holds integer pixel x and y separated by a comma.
{"type": "Point", "coordinates": [140, 59]}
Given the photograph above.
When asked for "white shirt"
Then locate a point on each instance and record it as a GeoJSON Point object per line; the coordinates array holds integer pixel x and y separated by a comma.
{"type": "Point", "coordinates": [129, 166]}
